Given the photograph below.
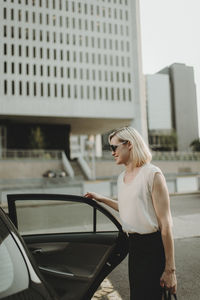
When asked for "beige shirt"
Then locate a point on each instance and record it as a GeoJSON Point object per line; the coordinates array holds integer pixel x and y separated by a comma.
{"type": "Point", "coordinates": [136, 208]}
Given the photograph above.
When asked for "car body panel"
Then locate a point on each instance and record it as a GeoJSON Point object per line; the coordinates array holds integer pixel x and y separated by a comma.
{"type": "Point", "coordinates": [19, 277]}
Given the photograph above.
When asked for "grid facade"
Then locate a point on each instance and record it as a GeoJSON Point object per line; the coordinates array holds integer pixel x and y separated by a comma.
{"type": "Point", "coordinates": [66, 49]}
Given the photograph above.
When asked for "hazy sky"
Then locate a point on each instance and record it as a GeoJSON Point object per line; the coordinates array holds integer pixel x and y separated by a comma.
{"type": "Point", "coordinates": [171, 33]}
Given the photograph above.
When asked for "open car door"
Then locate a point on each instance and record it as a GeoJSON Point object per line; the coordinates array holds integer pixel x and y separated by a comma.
{"type": "Point", "coordinates": [75, 241]}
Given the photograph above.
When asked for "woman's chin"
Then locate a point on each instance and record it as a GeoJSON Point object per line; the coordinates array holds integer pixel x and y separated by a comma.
{"type": "Point", "coordinates": [117, 161]}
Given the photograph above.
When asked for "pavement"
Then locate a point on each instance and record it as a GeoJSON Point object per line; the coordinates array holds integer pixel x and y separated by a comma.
{"type": "Point", "coordinates": [186, 230]}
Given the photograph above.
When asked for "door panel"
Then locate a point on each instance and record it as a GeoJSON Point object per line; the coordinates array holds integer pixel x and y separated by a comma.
{"type": "Point", "coordinates": [74, 246]}
{"type": "Point", "coordinates": [68, 265]}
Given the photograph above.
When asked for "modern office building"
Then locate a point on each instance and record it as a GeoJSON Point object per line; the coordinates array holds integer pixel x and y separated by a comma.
{"type": "Point", "coordinates": [172, 107]}
{"type": "Point", "coordinates": [69, 66]}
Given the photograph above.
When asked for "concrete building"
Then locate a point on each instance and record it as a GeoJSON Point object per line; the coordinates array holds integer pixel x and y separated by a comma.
{"type": "Point", "coordinates": [69, 67]}
{"type": "Point", "coordinates": [172, 106]}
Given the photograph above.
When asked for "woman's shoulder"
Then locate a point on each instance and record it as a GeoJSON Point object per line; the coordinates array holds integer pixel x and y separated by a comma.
{"type": "Point", "coordinates": [151, 170]}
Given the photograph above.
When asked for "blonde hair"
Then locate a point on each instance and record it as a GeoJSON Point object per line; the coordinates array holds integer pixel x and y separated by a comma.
{"type": "Point", "coordinates": [140, 152]}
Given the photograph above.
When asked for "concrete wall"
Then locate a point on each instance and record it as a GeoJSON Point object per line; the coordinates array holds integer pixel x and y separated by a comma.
{"type": "Point", "coordinates": [27, 169]}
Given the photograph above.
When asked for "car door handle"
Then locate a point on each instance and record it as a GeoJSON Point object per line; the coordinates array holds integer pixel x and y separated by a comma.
{"type": "Point", "coordinates": [37, 251]}
{"type": "Point", "coordinates": [55, 272]}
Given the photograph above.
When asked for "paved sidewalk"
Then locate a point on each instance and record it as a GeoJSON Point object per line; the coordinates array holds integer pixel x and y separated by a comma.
{"type": "Point", "coordinates": [186, 226]}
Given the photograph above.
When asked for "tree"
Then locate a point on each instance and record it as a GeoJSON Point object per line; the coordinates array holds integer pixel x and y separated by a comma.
{"type": "Point", "coordinates": [37, 139]}
{"type": "Point", "coordinates": [195, 145]}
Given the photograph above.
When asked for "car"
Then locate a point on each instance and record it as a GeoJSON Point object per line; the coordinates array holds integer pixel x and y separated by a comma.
{"type": "Point", "coordinates": [56, 246]}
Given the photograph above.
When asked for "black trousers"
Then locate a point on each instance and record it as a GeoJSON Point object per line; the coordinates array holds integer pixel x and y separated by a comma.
{"type": "Point", "coordinates": [146, 265]}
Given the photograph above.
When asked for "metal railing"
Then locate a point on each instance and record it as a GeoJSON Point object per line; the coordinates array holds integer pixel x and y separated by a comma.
{"type": "Point", "coordinates": [30, 154]}
{"type": "Point", "coordinates": [166, 156]}
{"type": "Point", "coordinates": [176, 155]}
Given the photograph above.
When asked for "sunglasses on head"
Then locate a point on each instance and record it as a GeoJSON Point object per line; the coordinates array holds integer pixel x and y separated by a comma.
{"type": "Point", "coordinates": [113, 148]}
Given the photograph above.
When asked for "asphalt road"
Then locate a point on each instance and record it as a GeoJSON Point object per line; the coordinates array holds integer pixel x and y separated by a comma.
{"type": "Point", "coordinates": [186, 216]}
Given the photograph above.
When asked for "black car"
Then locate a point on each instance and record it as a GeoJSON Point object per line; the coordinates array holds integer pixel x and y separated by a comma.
{"type": "Point", "coordinates": [61, 247]}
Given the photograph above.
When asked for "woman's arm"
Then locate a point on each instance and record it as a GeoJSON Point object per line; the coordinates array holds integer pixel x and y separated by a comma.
{"type": "Point", "coordinates": [161, 203]}
{"type": "Point", "coordinates": [110, 202]}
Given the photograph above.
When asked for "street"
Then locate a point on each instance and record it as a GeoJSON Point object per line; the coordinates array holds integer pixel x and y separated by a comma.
{"type": "Point", "coordinates": [186, 218]}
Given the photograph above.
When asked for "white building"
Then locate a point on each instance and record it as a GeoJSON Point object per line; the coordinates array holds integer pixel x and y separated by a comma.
{"type": "Point", "coordinates": [159, 102]}
{"type": "Point", "coordinates": [69, 62]}
{"type": "Point", "coordinates": [172, 105]}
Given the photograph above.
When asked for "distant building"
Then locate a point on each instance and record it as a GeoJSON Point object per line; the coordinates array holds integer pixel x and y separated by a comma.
{"type": "Point", "coordinates": [69, 67]}
{"type": "Point", "coordinates": [172, 108]}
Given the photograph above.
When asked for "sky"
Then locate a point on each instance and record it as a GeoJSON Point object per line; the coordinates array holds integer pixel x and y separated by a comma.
{"type": "Point", "coordinates": [170, 32]}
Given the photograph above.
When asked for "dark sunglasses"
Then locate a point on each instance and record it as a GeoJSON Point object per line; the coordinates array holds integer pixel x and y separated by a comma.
{"type": "Point", "coordinates": [113, 148]}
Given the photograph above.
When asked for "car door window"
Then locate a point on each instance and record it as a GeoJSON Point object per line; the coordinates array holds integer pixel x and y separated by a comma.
{"type": "Point", "coordinates": [13, 271]}
{"type": "Point", "coordinates": [43, 216]}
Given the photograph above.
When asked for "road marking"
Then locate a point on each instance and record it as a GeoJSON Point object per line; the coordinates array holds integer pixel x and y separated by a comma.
{"type": "Point", "coordinates": [106, 292]}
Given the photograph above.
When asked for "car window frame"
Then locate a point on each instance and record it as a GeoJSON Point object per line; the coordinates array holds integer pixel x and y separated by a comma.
{"type": "Point", "coordinates": [12, 211]}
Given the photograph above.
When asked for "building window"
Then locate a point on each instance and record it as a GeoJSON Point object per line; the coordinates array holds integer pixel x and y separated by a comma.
{"type": "Point", "coordinates": [41, 70]}
{"type": "Point", "coordinates": [20, 68]}
{"type": "Point", "coordinates": [4, 13]}
{"type": "Point", "coordinates": [88, 92]}
{"type": "Point", "coordinates": [5, 31]}
{"type": "Point", "coordinates": [27, 69]}
{"type": "Point", "coordinates": [112, 93]}
{"type": "Point", "coordinates": [48, 90]}
{"type": "Point", "coordinates": [33, 35]}
{"type": "Point", "coordinates": [47, 19]}
{"type": "Point", "coordinates": [26, 33]}
{"type": "Point", "coordinates": [27, 88]}
{"type": "Point", "coordinates": [82, 92]}
{"type": "Point", "coordinates": [12, 32]}
{"type": "Point", "coordinates": [19, 15]}
{"type": "Point", "coordinates": [48, 71]}
{"type": "Point", "coordinates": [19, 33]}
{"type": "Point", "coordinates": [33, 17]}
{"type": "Point", "coordinates": [55, 90]}
{"type": "Point", "coordinates": [12, 68]}
{"type": "Point", "coordinates": [68, 72]}
{"type": "Point", "coordinates": [5, 67]}
{"type": "Point", "coordinates": [12, 14]}
{"type": "Point", "coordinates": [68, 91]}
{"type": "Point", "coordinates": [27, 51]}
{"type": "Point", "coordinates": [55, 71]}
{"type": "Point", "coordinates": [41, 52]}
{"type": "Point", "coordinates": [20, 87]}
{"type": "Point", "coordinates": [26, 16]}
{"type": "Point", "coordinates": [34, 52]}
{"type": "Point", "coordinates": [106, 93]}
{"type": "Point", "coordinates": [34, 70]}
{"type": "Point", "coordinates": [100, 93]}
{"type": "Point", "coordinates": [5, 87]}
{"type": "Point", "coordinates": [12, 50]}
{"type": "Point", "coordinates": [61, 72]}
{"type": "Point", "coordinates": [124, 94]}
{"type": "Point", "coordinates": [48, 53]}
{"type": "Point", "coordinates": [62, 90]}
{"type": "Point", "coordinates": [129, 93]}
{"type": "Point", "coordinates": [40, 18]}
{"type": "Point", "coordinates": [12, 87]}
{"type": "Point", "coordinates": [94, 92]}
{"type": "Point", "coordinates": [54, 54]}
{"type": "Point", "coordinates": [5, 49]}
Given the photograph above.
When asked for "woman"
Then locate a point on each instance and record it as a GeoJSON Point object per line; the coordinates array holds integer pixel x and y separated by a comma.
{"type": "Point", "coordinates": [144, 209]}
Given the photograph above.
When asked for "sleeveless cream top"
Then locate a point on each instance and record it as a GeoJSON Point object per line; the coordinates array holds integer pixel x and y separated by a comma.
{"type": "Point", "coordinates": [135, 203]}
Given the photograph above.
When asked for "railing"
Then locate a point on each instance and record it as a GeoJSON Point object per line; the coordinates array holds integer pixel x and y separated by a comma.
{"type": "Point", "coordinates": [167, 156]}
{"type": "Point", "coordinates": [176, 155]}
{"type": "Point", "coordinates": [30, 154]}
